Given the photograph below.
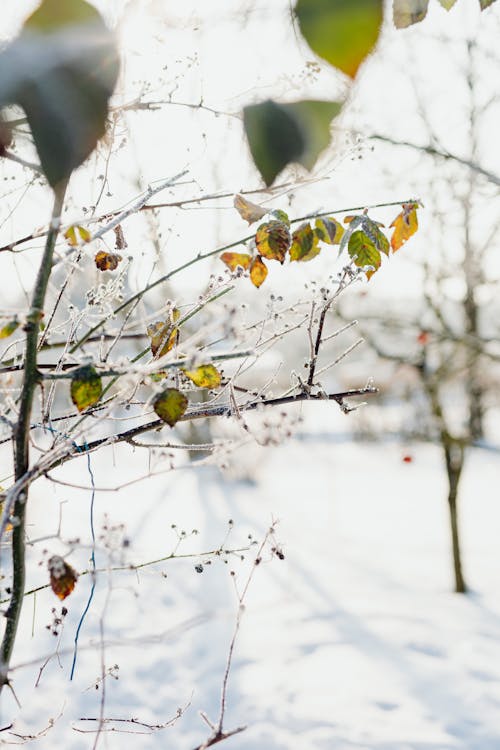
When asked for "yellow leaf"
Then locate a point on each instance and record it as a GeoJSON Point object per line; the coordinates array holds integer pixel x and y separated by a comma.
{"type": "Point", "coordinates": [405, 224]}
{"type": "Point", "coordinates": [247, 210]}
{"type": "Point", "coordinates": [233, 260]}
{"type": "Point", "coordinates": [205, 376]}
{"type": "Point", "coordinates": [258, 271]}
{"type": "Point", "coordinates": [9, 328]}
{"type": "Point", "coordinates": [273, 240]}
{"type": "Point", "coordinates": [76, 234]}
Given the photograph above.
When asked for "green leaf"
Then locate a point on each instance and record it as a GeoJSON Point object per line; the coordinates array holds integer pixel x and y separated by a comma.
{"type": "Point", "coordinates": [8, 328]}
{"type": "Point", "coordinates": [372, 229]}
{"type": "Point", "coordinates": [305, 243]}
{"type": "Point", "coordinates": [363, 252]}
{"type": "Point", "coordinates": [329, 230]}
{"type": "Point", "coordinates": [280, 215]}
{"type": "Point", "coordinates": [407, 12]}
{"type": "Point", "coordinates": [279, 134]}
{"type": "Point", "coordinates": [343, 32]}
{"type": "Point", "coordinates": [86, 387]}
{"type": "Point", "coordinates": [485, 3]}
{"type": "Point", "coordinates": [170, 405]}
{"type": "Point", "coordinates": [204, 376]}
{"type": "Point", "coordinates": [448, 4]}
{"type": "Point", "coordinates": [61, 70]}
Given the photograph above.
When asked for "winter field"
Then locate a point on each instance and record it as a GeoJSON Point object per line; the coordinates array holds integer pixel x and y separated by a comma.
{"type": "Point", "coordinates": [352, 642]}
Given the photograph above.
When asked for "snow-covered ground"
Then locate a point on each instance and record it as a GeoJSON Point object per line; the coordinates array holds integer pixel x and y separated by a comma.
{"type": "Point", "coordinates": [353, 642]}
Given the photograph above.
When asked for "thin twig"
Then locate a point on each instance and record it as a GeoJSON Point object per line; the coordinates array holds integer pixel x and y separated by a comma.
{"type": "Point", "coordinates": [21, 436]}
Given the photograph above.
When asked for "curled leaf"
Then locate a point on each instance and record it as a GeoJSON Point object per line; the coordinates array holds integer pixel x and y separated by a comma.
{"type": "Point", "coordinates": [233, 260]}
{"type": "Point", "coordinates": [273, 240]}
{"type": "Point", "coordinates": [120, 241]}
{"type": "Point", "coordinates": [258, 271]}
{"type": "Point", "coordinates": [164, 335]}
{"type": "Point", "coordinates": [62, 577]}
{"type": "Point", "coordinates": [364, 253]}
{"type": "Point", "coordinates": [170, 405]}
{"type": "Point", "coordinates": [204, 376]}
{"type": "Point", "coordinates": [107, 261]}
{"type": "Point", "coordinates": [405, 224]}
{"type": "Point", "coordinates": [247, 210]}
{"type": "Point", "coordinates": [329, 230]}
{"type": "Point", "coordinates": [8, 328]}
{"type": "Point", "coordinates": [86, 387]}
{"type": "Point", "coordinates": [77, 234]}
{"type": "Point", "coordinates": [305, 243]}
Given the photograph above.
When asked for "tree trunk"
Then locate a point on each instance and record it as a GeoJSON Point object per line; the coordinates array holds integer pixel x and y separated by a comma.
{"type": "Point", "coordinates": [454, 456]}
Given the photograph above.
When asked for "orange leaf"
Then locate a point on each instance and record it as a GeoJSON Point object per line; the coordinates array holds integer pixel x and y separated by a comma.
{"type": "Point", "coordinates": [233, 260]}
{"type": "Point", "coordinates": [107, 261]}
{"type": "Point", "coordinates": [405, 224]}
{"type": "Point", "coordinates": [258, 271]}
{"type": "Point", "coordinates": [62, 577]}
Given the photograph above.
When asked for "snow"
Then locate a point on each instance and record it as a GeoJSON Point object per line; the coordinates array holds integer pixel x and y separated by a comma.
{"type": "Point", "coordinates": [353, 642]}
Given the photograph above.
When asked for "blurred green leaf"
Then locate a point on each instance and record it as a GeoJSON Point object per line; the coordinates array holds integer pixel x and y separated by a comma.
{"type": "Point", "coordinates": [342, 32]}
{"type": "Point", "coordinates": [447, 4]}
{"type": "Point", "coordinates": [61, 69]}
{"type": "Point", "coordinates": [279, 134]}
{"type": "Point", "coordinates": [485, 3]}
